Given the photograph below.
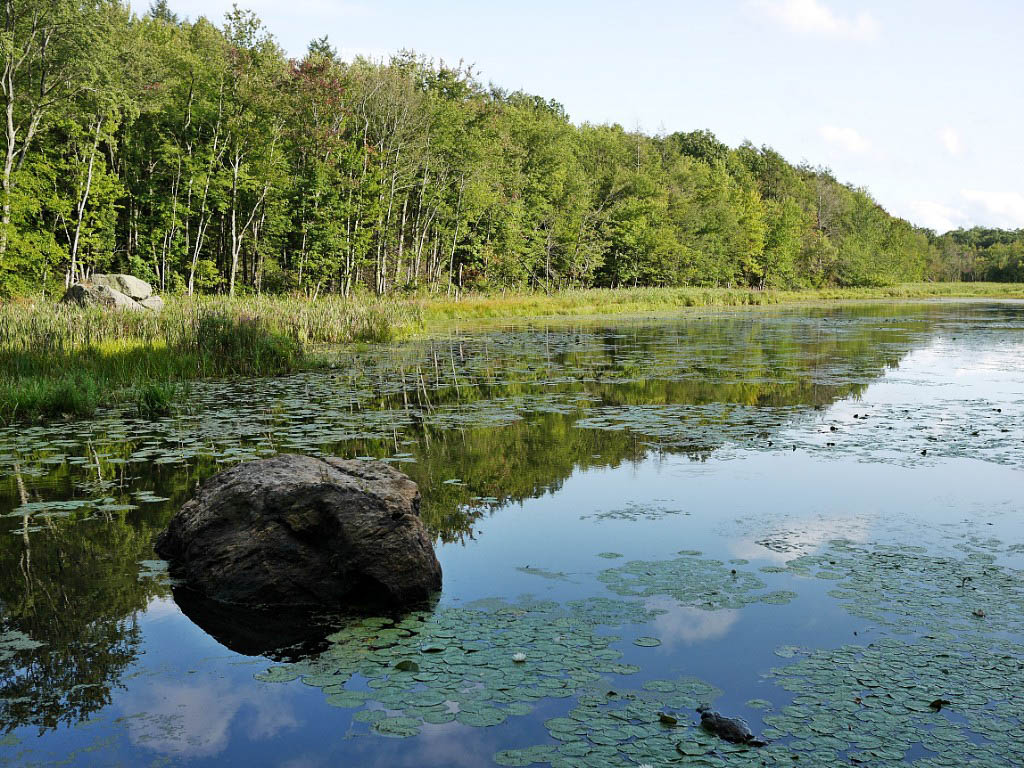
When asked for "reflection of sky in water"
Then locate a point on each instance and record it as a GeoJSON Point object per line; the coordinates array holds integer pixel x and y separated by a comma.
{"type": "Point", "coordinates": [187, 699]}
{"type": "Point", "coordinates": [194, 719]}
{"type": "Point", "coordinates": [684, 625]}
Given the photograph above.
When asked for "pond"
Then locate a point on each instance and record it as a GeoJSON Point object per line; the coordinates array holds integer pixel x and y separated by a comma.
{"type": "Point", "coordinates": [809, 518]}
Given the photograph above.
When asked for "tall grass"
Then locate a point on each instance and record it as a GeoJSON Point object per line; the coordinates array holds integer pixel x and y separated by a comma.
{"type": "Point", "coordinates": [598, 301]}
{"type": "Point", "coordinates": [58, 359]}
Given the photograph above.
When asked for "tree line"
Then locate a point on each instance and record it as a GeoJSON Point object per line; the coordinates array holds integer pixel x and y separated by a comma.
{"type": "Point", "coordinates": [203, 159]}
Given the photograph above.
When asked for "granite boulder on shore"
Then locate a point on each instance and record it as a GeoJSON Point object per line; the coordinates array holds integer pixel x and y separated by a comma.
{"type": "Point", "coordinates": [123, 292]}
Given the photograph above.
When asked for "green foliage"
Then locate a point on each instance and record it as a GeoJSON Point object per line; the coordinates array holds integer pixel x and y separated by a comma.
{"type": "Point", "coordinates": [979, 254]}
{"type": "Point", "coordinates": [153, 400]}
{"type": "Point", "coordinates": [239, 344]}
{"type": "Point", "coordinates": [74, 396]}
{"type": "Point", "coordinates": [202, 159]}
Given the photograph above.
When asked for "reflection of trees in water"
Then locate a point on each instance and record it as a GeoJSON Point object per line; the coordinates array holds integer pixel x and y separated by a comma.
{"type": "Point", "coordinates": [738, 363]}
{"type": "Point", "coordinates": [75, 586]}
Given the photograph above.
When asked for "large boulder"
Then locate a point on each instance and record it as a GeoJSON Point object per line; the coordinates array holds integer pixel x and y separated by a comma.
{"type": "Point", "coordinates": [153, 302]}
{"type": "Point", "coordinates": [303, 531]}
{"type": "Point", "coordinates": [130, 286]}
{"type": "Point", "coordinates": [92, 295]}
{"type": "Point", "coordinates": [114, 292]}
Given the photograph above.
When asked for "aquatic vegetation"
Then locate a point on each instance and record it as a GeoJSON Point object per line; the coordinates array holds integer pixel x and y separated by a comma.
{"type": "Point", "coordinates": [154, 400]}
{"type": "Point", "coordinates": [913, 592]}
{"type": "Point", "coordinates": [876, 703]}
{"type": "Point", "coordinates": [12, 641]}
{"type": "Point", "coordinates": [568, 414]}
{"type": "Point", "coordinates": [894, 433]}
{"type": "Point", "coordinates": [480, 664]}
{"type": "Point", "coordinates": [949, 695]}
{"type": "Point", "coordinates": [873, 704]}
{"type": "Point", "coordinates": [634, 511]}
{"type": "Point", "coordinates": [476, 665]}
{"type": "Point", "coordinates": [608, 727]}
{"type": "Point", "coordinates": [691, 581]}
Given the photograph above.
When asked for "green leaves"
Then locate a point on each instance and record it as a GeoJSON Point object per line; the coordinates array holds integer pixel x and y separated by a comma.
{"type": "Point", "coordinates": [691, 581]}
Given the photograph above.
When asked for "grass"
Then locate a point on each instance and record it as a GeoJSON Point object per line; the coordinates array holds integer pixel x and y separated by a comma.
{"type": "Point", "coordinates": [638, 300]}
{"type": "Point", "coordinates": [60, 360]}
{"type": "Point", "coordinates": [153, 400]}
{"type": "Point", "coordinates": [64, 361]}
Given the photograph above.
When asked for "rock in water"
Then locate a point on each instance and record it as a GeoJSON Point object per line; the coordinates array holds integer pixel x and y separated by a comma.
{"type": "Point", "coordinates": [303, 531]}
{"type": "Point", "coordinates": [731, 729]}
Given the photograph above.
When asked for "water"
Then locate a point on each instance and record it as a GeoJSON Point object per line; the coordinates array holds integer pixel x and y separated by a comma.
{"type": "Point", "coordinates": [859, 469]}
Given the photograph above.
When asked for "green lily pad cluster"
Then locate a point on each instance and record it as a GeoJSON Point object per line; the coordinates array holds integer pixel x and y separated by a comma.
{"type": "Point", "coordinates": [910, 591]}
{"type": "Point", "coordinates": [945, 683]}
{"type": "Point", "coordinates": [492, 659]}
{"type": "Point", "coordinates": [634, 511]}
{"type": "Point", "coordinates": [476, 665]}
{"type": "Point", "coordinates": [648, 726]}
{"type": "Point", "coordinates": [955, 704]}
{"type": "Point", "coordinates": [892, 433]}
{"type": "Point", "coordinates": [692, 581]}
{"type": "Point", "coordinates": [12, 642]}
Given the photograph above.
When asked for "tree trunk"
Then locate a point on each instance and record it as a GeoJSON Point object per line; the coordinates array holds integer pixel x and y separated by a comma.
{"type": "Point", "coordinates": [80, 214]}
{"type": "Point", "coordinates": [455, 237]}
{"type": "Point", "coordinates": [401, 242]}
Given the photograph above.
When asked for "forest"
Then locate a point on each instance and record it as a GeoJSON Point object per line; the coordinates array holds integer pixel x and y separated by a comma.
{"type": "Point", "coordinates": [205, 160]}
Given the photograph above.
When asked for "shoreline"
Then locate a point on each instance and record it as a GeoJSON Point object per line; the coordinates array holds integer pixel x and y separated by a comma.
{"type": "Point", "coordinates": [64, 362]}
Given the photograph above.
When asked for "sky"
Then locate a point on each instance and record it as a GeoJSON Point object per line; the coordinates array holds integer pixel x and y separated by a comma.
{"type": "Point", "coordinates": [920, 101]}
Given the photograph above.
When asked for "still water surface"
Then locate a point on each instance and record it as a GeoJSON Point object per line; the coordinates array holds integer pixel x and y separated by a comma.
{"type": "Point", "coordinates": [829, 493]}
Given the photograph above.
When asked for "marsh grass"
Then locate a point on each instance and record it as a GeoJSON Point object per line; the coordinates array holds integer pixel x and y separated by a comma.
{"type": "Point", "coordinates": [598, 301]}
{"type": "Point", "coordinates": [62, 360]}
{"type": "Point", "coordinates": [153, 399]}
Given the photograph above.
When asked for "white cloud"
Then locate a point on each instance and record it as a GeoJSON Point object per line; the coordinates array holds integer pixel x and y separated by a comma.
{"type": "Point", "coordinates": [937, 216]}
{"type": "Point", "coordinates": [1001, 209]}
{"type": "Point", "coordinates": [951, 141]}
{"type": "Point", "coordinates": [847, 138]}
{"type": "Point", "coordinates": [811, 17]}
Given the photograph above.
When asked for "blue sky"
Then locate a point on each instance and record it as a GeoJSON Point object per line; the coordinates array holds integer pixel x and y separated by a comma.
{"type": "Point", "coordinates": [921, 101]}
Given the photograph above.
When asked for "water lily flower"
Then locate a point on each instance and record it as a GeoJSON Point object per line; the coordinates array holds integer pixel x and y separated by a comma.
{"type": "Point", "coordinates": [518, 658]}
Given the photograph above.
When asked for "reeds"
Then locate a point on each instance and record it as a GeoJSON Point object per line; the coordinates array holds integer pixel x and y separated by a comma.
{"type": "Point", "coordinates": [58, 359]}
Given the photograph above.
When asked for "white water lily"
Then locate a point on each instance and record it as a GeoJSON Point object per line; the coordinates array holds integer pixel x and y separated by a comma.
{"type": "Point", "coordinates": [518, 658]}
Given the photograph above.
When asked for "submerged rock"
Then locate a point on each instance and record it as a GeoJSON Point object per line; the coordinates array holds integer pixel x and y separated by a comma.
{"type": "Point", "coordinates": [733, 729]}
{"type": "Point", "coordinates": [303, 531]}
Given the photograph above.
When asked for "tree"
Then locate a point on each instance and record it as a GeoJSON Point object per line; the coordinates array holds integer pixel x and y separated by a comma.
{"type": "Point", "coordinates": [53, 53]}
